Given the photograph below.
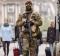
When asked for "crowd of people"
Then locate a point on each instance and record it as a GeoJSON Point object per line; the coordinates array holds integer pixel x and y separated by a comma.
{"type": "Point", "coordinates": [27, 33]}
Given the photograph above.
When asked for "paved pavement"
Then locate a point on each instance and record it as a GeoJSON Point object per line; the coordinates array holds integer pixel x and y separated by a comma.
{"type": "Point", "coordinates": [11, 50]}
{"type": "Point", "coordinates": [41, 50]}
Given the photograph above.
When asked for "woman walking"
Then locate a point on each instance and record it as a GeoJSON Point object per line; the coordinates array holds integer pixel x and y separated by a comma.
{"type": "Point", "coordinates": [7, 35]}
{"type": "Point", "coordinates": [51, 36]}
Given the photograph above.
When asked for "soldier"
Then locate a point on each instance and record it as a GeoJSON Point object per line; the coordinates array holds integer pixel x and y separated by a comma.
{"type": "Point", "coordinates": [29, 43]}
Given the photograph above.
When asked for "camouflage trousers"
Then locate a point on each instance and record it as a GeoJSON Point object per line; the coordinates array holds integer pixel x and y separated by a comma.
{"type": "Point", "coordinates": [29, 48]}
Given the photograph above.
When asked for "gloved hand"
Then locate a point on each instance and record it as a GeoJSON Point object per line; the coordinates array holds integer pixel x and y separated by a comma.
{"type": "Point", "coordinates": [26, 31]}
{"type": "Point", "coordinates": [31, 23]}
{"type": "Point", "coordinates": [25, 24]}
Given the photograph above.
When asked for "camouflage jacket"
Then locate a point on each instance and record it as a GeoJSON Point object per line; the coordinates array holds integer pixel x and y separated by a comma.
{"type": "Point", "coordinates": [33, 17]}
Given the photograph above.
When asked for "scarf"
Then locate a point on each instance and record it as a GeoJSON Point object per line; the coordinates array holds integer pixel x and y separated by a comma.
{"type": "Point", "coordinates": [6, 25]}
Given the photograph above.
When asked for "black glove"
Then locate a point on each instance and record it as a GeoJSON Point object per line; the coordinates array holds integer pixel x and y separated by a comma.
{"type": "Point", "coordinates": [26, 31]}
{"type": "Point", "coordinates": [25, 24]}
{"type": "Point", "coordinates": [31, 23]}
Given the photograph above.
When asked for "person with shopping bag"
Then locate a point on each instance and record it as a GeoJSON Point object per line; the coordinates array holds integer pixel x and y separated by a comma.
{"type": "Point", "coordinates": [6, 33]}
{"type": "Point", "coordinates": [18, 37]}
{"type": "Point", "coordinates": [51, 37]}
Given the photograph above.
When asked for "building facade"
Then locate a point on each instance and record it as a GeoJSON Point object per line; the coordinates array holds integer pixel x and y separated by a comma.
{"type": "Point", "coordinates": [9, 10]}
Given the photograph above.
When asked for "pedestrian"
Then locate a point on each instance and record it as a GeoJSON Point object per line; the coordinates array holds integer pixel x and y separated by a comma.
{"type": "Point", "coordinates": [51, 36]}
{"type": "Point", "coordinates": [6, 33]}
{"type": "Point", "coordinates": [18, 37]}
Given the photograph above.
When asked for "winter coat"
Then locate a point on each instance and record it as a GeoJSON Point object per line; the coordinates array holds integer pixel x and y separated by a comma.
{"type": "Point", "coordinates": [51, 35]}
{"type": "Point", "coordinates": [6, 33]}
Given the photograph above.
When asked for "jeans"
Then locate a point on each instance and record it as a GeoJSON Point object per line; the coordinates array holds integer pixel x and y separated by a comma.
{"type": "Point", "coordinates": [20, 46]}
{"type": "Point", "coordinates": [51, 49]}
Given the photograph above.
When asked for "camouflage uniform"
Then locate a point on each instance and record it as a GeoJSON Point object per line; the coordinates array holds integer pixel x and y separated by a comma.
{"type": "Point", "coordinates": [27, 45]}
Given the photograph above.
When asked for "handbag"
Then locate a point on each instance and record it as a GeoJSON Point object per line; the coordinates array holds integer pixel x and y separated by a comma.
{"type": "Point", "coordinates": [47, 51]}
{"type": "Point", "coordinates": [16, 51]}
